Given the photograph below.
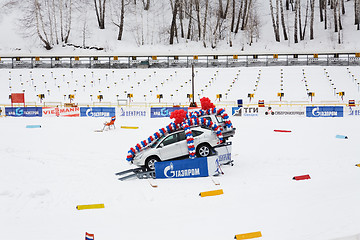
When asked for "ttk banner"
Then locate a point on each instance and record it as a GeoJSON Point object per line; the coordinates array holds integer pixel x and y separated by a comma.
{"type": "Point", "coordinates": [158, 112]}
{"type": "Point", "coordinates": [188, 168]}
{"type": "Point", "coordinates": [97, 111]}
{"type": "Point", "coordinates": [325, 111]}
{"type": "Point", "coordinates": [23, 111]}
{"type": "Point", "coordinates": [61, 112]}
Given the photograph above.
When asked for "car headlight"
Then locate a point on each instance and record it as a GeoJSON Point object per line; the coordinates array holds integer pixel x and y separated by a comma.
{"type": "Point", "coordinates": [138, 156]}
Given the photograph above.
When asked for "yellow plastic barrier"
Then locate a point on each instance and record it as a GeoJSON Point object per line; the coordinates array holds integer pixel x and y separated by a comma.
{"type": "Point", "coordinates": [129, 127]}
{"type": "Point", "coordinates": [248, 235]}
{"type": "Point", "coordinates": [211, 193]}
{"type": "Point", "coordinates": [90, 206]}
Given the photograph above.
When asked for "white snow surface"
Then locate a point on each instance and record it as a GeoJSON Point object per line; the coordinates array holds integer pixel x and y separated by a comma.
{"type": "Point", "coordinates": [45, 173]}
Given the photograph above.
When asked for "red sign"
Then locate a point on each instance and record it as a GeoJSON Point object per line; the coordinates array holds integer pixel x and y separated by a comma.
{"type": "Point", "coordinates": [61, 111]}
{"type": "Point", "coordinates": [17, 98]}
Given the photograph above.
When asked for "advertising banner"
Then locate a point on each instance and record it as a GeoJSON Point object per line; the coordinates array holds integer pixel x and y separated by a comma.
{"type": "Point", "coordinates": [158, 112]}
{"type": "Point", "coordinates": [132, 112]}
{"type": "Point", "coordinates": [353, 111]}
{"type": "Point", "coordinates": [23, 111]}
{"type": "Point", "coordinates": [97, 111]}
{"type": "Point", "coordinates": [245, 111]}
{"type": "Point", "coordinates": [61, 112]}
{"type": "Point", "coordinates": [187, 168]}
{"type": "Point", "coordinates": [324, 111]}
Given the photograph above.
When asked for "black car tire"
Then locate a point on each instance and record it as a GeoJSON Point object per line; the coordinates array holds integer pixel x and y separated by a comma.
{"type": "Point", "coordinates": [150, 163]}
{"type": "Point", "coordinates": [203, 150]}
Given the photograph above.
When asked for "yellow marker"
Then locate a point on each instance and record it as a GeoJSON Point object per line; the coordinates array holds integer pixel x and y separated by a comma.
{"type": "Point", "coordinates": [358, 165]}
{"type": "Point", "coordinates": [128, 127]}
{"type": "Point", "coordinates": [90, 206]}
{"type": "Point", "coordinates": [248, 235]}
{"type": "Point", "coordinates": [211, 193]}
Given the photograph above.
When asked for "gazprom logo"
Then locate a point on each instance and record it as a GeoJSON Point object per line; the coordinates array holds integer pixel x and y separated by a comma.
{"type": "Point", "coordinates": [169, 172]}
{"type": "Point", "coordinates": [19, 111]}
{"type": "Point", "coordinates": [164, 112]}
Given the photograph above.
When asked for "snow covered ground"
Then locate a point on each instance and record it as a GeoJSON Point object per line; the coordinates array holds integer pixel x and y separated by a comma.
{"type": "Point", "coordinates": [46, 172]}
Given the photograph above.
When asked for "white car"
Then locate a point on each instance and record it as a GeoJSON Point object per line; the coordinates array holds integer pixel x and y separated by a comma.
{"type": "Point", "coordinates": [218, 120]}
{"type": "Point", "coordinates": [174, 146]}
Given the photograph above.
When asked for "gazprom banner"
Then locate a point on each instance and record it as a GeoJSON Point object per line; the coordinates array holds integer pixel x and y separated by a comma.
{"type": "Point", "coordinates": [325, 111]}
{"type": "Point", "coordinates": [97, 111]}
{"type": "Point", "coordinates": [187, 168]}
{"type": "Point", "coordinates": [23, 111]}
{"type": "Point", "coordinates": [157, 112]}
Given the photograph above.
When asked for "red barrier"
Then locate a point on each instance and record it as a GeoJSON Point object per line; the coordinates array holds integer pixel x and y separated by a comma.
{"type": "Point", "coordinates": [303, 177]}
{"type": "Point", "coordinates": [287, 131]}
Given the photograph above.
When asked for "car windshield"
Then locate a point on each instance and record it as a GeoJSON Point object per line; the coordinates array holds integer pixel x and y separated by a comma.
{"type": "Point", "coordinates": [153, 145]}
{"type": "Point", "coordinates": [219, 119]}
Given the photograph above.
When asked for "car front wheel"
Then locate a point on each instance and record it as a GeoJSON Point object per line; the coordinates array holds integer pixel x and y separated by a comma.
{"type": "Point", "coordinates": [150, 163]}
{"type": "Point", "coordinates": [203, 150]}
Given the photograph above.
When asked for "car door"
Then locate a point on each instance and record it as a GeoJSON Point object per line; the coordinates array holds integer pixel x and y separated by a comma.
{"type": "Point", "coordinates": [170, 147]}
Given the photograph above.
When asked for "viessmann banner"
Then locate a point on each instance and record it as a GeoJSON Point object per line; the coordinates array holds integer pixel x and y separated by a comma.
{"type": "Point", "coordinates": [97, 111]}
{"type": "Point", "coordinates": [23, 111]}
{"type": "Point", "coordinates": [61, 112]}
{"type": "Point", "coordinates": [325, 111]}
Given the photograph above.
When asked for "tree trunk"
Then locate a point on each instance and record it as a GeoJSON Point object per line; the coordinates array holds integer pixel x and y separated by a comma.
{"type": "Point", "coordinates": [197, 8]}
{"type": "Point", "coordinates": [205, 20]}
{"type": "Point", "coordinates": [283, 21]}
{"type": "Point", "coordinates": [100, 12]}
{"type": "Point", "coordinates": [239, 17]}
{"type": "Point", "coordinates": [296, 21]}
{"type": "Point", "coordinates": [312, 10]}
{"type": "Point", "coordinates": [233, 16]}
{"type": "Point", "coordinates": [181, 17]}
{"type": "Point", "coordinates": [190, 20]}
{"type": "Point", "coordinates": [146, 5]}
{"type": "Point", "coordinates": [173, 23]}
{"type": "Point", "coordinates": [274, 23]}
{"type": "Point", "coordinates": [122, 19]}
{"type": "Point", "coordinates": [335, 16]}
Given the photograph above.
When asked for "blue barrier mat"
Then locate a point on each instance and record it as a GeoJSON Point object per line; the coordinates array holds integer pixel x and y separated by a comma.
{"type": "Point", "coordinates": [33, 126]}
{"type": "Point", "coordinates": [341, 136]}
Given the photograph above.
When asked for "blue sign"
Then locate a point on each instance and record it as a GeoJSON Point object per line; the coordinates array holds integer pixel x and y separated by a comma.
{"type": "Point", "coordinates": [131, 113]}
{"type": "Point", "coordinates": [23, 111]}
{"type": "Point", "coordinates": [157, 112]}
{"type": "Point", "coordinates": [187, 168]}
{"type": "Point", "coordinates": [325, 111]}
{"type": "Point", "coordinates": [97, 112]}
{"type": "Point", "coordinates": [354, 112]}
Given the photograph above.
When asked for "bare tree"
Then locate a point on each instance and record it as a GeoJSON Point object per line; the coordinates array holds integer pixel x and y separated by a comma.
{"type": "Point", "coordinates": [41, 18]}
{"type": "Point", "coordinates": [296, 40]}
{"type": "Point", "coordinates": [357, 13]}
{"type": "Point", "coordinates": [190, 19]}
{"type": "Point", "coordinates": [283, 20]}
{"type": "Point", "coordinates": [146, 4]}
{"type": "Point", "coordinates": [275, 20]}
{"type": "Point", "coordinates": [118, 11]}
{"type": "Point", "coordinates": [100, 12]}
{"type": "Point", "coordinates": [312, 10]}
{"type": "Point", "coordinates": [197, 9]}
{"type": "Point", "coordinates": [173, 22]}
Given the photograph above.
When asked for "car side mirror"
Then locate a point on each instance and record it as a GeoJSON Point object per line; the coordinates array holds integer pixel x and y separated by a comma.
{"type": "Point", "coordinates": [161, 145]}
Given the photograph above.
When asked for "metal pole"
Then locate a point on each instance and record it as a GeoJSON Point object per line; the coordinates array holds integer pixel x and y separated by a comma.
{"type": "Point", "coordinates": [192, 84]}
